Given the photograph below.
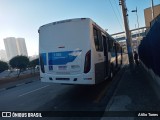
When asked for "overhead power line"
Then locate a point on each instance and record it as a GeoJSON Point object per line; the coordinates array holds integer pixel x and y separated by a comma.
{"type": "Point", "coordinates": [118, 10]}
{"type": "Point", "coordinates": [116, 15]}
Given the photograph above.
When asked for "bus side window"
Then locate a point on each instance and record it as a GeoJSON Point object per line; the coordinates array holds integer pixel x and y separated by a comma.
{"type": "Point", "coordinates": [113, 52]}
{"type": "Point", "coordinates": [97, 40]}
{"type": "Point", "coordinates": [118, 48]}
{"type": "Point", "coordinates": [95, 33]}
{"type": "Point", "coordinates": [110, 45]}
{"type": "Point", "coordinates": [100, 41]}
{"type": "Point", "coordinates": [105, 45]}
{"type": "Point", "coordinates": [115, 47]}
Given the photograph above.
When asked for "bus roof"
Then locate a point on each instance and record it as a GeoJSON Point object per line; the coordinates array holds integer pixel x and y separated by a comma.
{"type": "Point", "coordinates": [64, 21]}
{"type": "Point", "coordinates": [72, 20]}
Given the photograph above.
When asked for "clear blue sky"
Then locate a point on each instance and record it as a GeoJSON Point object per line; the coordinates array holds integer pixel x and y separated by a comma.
{"type": "Point", "coordinates": [22, 18]}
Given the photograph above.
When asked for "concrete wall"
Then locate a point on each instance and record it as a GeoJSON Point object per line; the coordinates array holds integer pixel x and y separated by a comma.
{"type": "Point", "coordinates": [154, 79]}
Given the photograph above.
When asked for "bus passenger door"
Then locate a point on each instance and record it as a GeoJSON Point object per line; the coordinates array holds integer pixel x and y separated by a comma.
{"type": "Point", "coordinates": [106, 65]}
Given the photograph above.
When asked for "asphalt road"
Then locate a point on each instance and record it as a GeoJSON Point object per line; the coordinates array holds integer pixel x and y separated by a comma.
{"type": "Point", "coordinates": [46, 96]}
{"type": "Point", "coordinates": [38, 96]}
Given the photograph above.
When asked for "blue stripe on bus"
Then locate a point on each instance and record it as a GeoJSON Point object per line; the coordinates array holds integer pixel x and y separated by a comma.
{"type": "Point", "coordinates": [62, 58]}
{"type": "Point", "coordinates": [44, 58]}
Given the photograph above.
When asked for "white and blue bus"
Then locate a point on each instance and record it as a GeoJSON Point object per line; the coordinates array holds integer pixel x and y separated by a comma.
{"type": "Point", "coordinates": [77, 51]}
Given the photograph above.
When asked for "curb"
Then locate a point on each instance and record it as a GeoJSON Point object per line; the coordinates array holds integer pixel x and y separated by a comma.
{"type": "Point", "coordinates": [113, 86]}
{"type": "Point", "coordinates": [10, 87]}
{"type": "Point", "coordinates": [3, 89]}
{"type": "Point", "coordinates": [112, 89]}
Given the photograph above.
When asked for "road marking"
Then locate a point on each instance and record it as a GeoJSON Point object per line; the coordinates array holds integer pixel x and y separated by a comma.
{"type": "Point", "coordinates": [34, 90]}
{"type": "Point", "coordinates": [20, 84]}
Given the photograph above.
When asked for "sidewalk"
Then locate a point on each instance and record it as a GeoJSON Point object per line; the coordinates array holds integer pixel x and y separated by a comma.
{"type": "Point", "coordinates": [133, 93]}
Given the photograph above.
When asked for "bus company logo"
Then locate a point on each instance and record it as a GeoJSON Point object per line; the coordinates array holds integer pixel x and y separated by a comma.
{"type": "Point", "coordinates": [6, 114]}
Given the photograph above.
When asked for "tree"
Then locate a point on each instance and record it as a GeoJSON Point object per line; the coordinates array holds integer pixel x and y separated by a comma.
{"type": "Point", "coordinates": [3, 66]}
{"type": "Point", "coordinates": [33, 64]}
{"type": "Point", "coordinates": [19, 62]}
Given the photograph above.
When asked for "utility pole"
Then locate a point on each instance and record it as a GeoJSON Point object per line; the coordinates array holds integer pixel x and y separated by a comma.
{"type": "Point", "coordinates": [152, 8]}
{"type": "Point", "coordinates": [128, 33]}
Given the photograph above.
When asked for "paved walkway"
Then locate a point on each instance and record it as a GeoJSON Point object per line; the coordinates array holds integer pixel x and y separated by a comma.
{"type": "Point", "coordinates": [133, 93]}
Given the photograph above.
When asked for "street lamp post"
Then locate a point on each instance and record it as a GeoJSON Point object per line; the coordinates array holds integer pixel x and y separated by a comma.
{"type": "Point", "coordinates": [137, 20]}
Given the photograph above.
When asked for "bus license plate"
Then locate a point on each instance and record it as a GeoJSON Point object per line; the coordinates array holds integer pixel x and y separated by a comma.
{"type": "Point", "coordinates": [62, 67]}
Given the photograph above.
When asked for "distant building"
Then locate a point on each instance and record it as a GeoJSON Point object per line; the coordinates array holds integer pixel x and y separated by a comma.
{"type": "Point", "coordinates": [148, 14]}
{"type": "Point", "coordinates": [33, 57]}
{"type": "Point", "coordinates": [3, 55]}
{"type": "Point", "coordinates": [14, 47]}
{"type": "Point", "coordinates": [21, 45]}
{"type": "Point", "coordinates": [11, 47]}
{"type": "Point", "coordinates": [135, 43]}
